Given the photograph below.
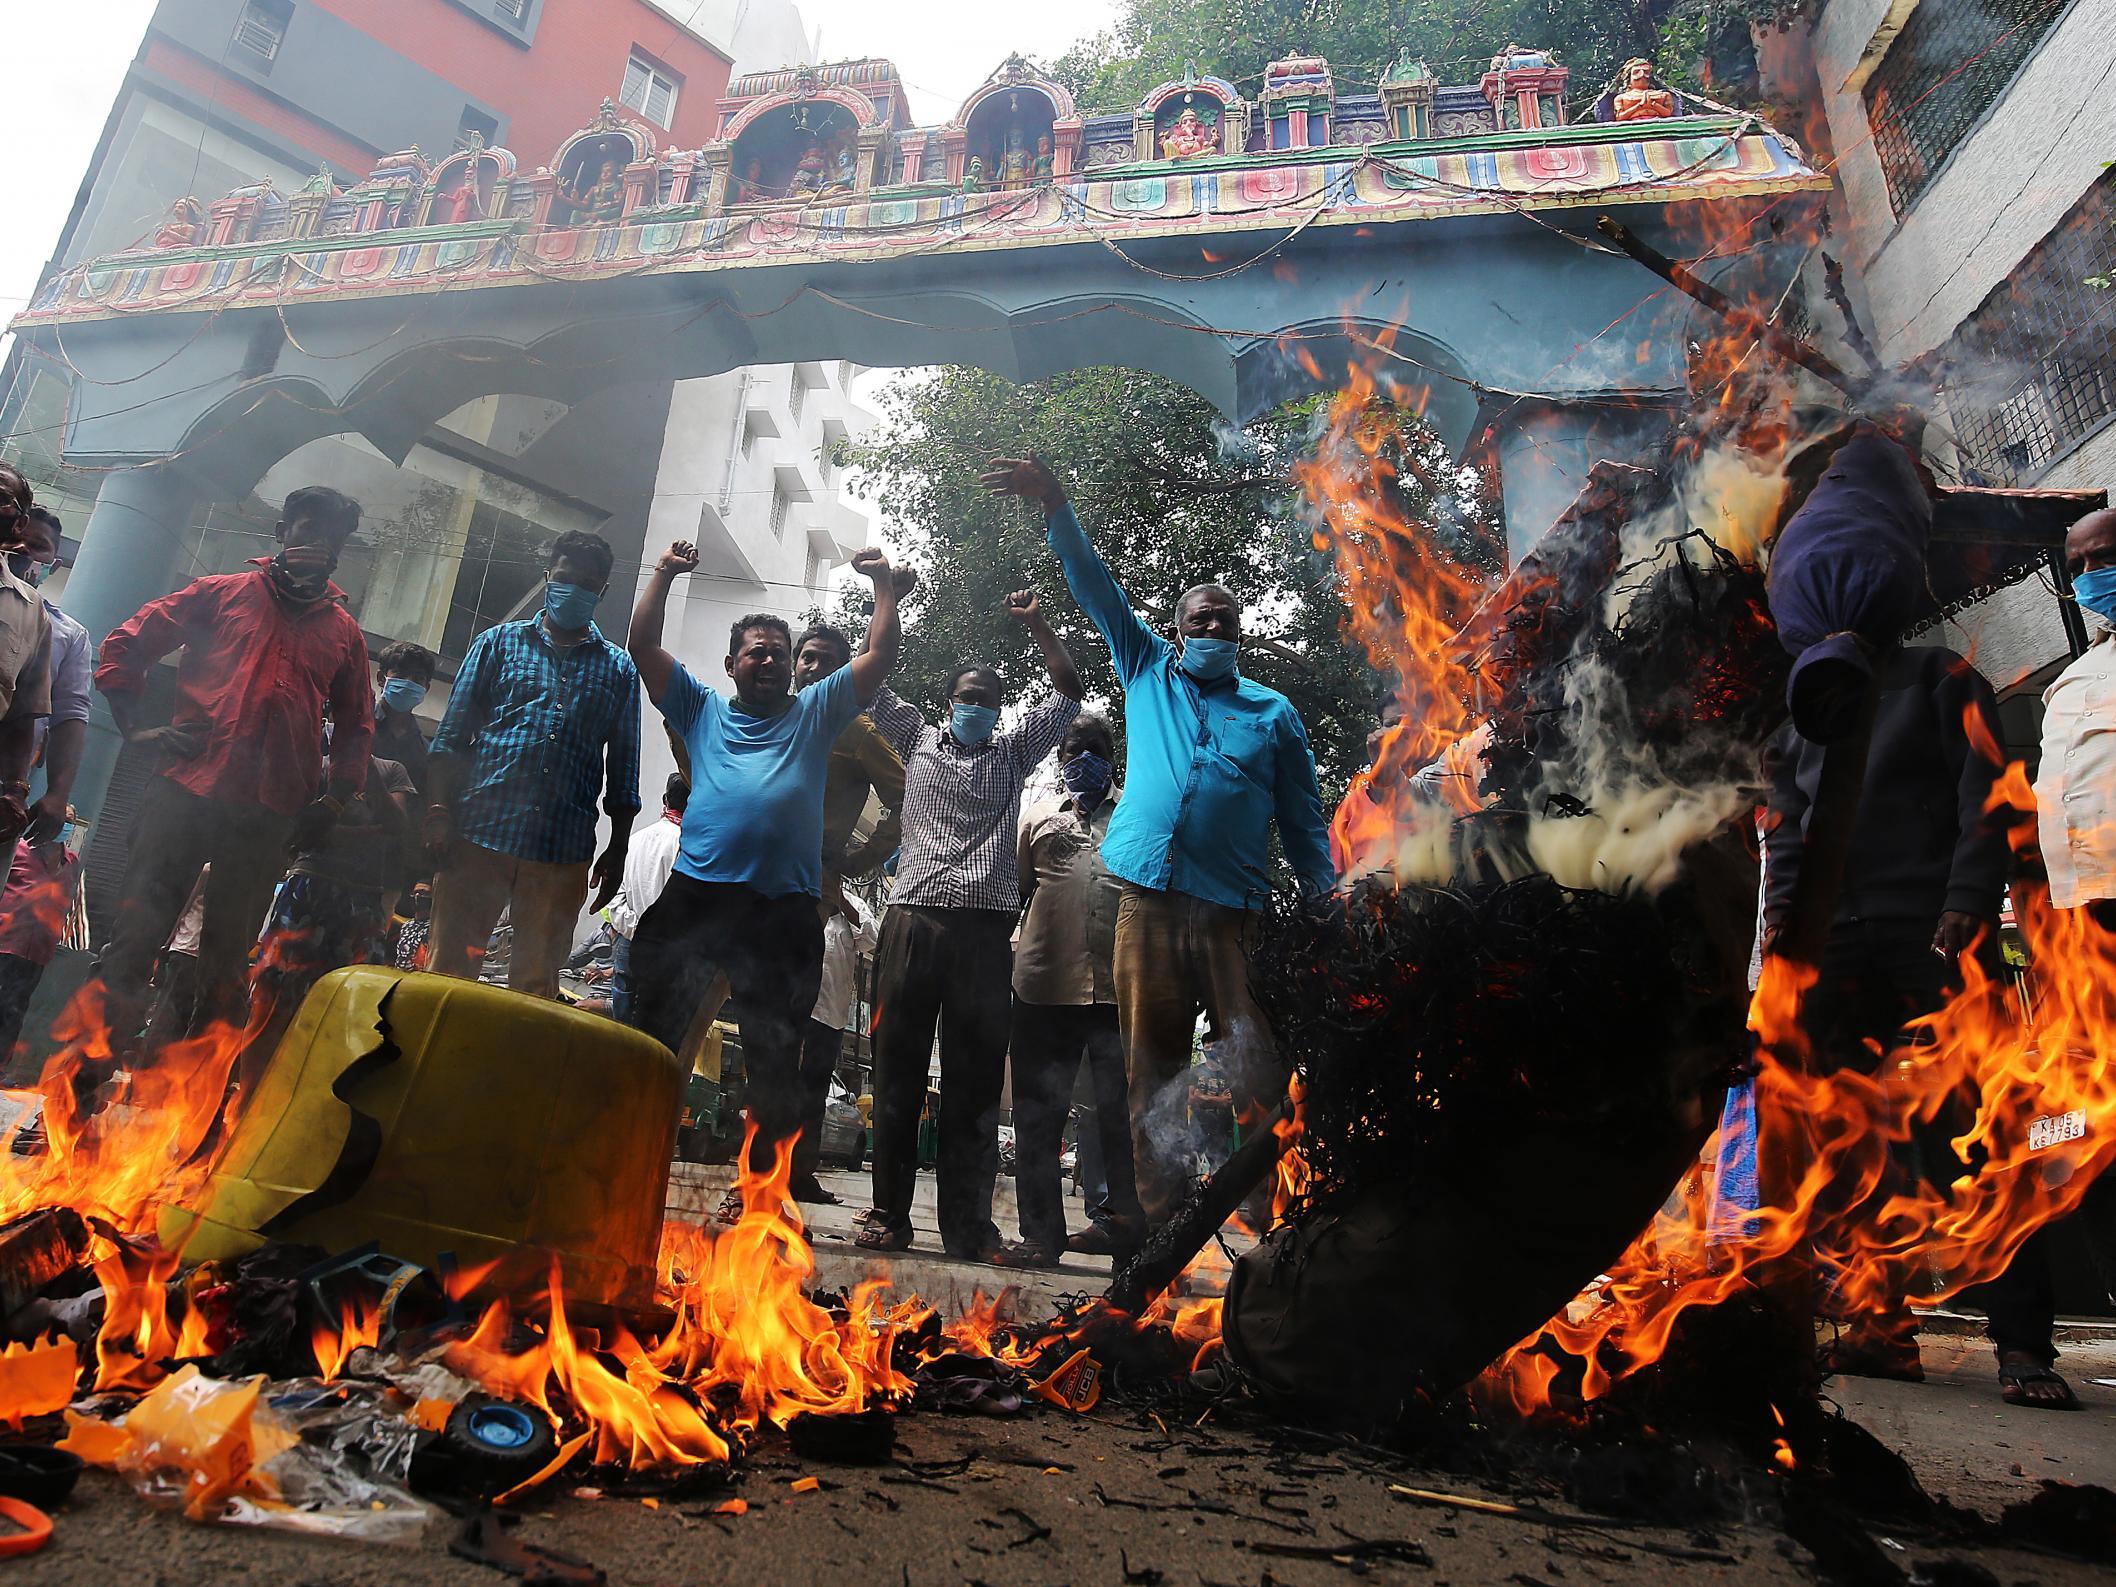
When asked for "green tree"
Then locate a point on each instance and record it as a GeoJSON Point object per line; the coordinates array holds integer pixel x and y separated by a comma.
{"type": "Point", "coordinates": [1152, 39]}
{"type": "Point", "coordinates": [1171, 495]}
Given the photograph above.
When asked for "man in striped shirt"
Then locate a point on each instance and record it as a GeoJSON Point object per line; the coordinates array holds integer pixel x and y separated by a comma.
{"type": "Point", "coordinates": [945, 955]}
{"type": "Point", "coordinates": [543, 717]}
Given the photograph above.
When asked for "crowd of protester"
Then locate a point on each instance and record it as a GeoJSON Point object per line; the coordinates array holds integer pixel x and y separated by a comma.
{"type": "Point", "coordinates": [298, 820]}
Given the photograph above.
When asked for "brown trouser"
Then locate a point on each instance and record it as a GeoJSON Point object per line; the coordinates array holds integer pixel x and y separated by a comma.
{"type": "Point", "coordinates": [1176, 954]}
{"type": "Point", "coordinates": [468, 896]}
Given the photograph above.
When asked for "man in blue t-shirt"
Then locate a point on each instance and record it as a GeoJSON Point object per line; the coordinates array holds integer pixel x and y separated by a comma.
{"type": "Point", "coordinates": [742, 900]}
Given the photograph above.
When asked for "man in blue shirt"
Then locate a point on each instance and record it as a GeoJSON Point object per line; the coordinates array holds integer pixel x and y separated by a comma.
{"type": "Point", "coordinates": [539, 709]}
{"type": "Point", "coordinates": [1211, 759]}
{"type": "Point", "coordinates": [742, 900]}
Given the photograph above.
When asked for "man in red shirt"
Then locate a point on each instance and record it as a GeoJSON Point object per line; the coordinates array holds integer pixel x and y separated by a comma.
{"type": "Point", "coordinates": [264, 652]}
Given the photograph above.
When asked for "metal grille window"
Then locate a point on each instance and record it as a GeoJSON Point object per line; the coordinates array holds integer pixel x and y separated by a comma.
{"type": "Point", "coordinates": [1945, 69]}
{"type": "Point", "coordinates": [796, 394]}
{"type": "Point", "coordinates": [778, 513]}
{"type": "Point", "coordinates": [2033, 371]}
{"type": "Point", "coordinates": [262, 28]}
{"type": "Point", "coordinates": [515, 11]}
{"type": "Point", "coordinates": [649, 91]}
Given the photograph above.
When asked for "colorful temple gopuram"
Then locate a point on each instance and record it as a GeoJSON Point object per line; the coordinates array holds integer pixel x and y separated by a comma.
{"type": "Point", "coordinates": [825, 159]}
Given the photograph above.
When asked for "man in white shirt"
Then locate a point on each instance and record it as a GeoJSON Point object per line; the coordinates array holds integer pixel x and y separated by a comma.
{"type": "Point", "coordinates": [2075, 789]}
{"type": "Point", "coordinates": [648, 861]}
{"type": "Point", "coordinates": [846, 937]}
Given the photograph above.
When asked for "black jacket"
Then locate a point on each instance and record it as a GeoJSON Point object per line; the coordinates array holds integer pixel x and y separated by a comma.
{"type": "Point", "coordinates": [1924, 843]}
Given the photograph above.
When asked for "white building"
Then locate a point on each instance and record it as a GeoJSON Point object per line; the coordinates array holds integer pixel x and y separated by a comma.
{"type": "Point", "coordinates": [748, 473]}
{"type": "Point", "coordinates": [1971, 141]}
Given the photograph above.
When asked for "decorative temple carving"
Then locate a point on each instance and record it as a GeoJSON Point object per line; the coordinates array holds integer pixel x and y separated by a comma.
{"type": "Point", "coordinates": [1408, 89]}
{"type": "Point", "coordinates": [1188, 118]}
{"type": "Point", "coordinates": [810, 133]}
{"type": "Point", "coordinates": [841, 132]}
{"type": "Point", "coordinates": [1018, 124]}
{"type": "Point", "coordinates": [1526, 88]}
{"type": "Point", "coordinates": [1637, 97]}
{"type": "Point", "coordinates": [1297, 101]}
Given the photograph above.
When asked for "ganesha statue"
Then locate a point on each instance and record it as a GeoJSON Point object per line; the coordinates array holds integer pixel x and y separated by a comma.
{"type": "Point", "coordinates": [1190, 136]}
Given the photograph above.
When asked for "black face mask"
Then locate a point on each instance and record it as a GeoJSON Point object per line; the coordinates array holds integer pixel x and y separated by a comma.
{"type": "Point", "coordinates": [307, 583]}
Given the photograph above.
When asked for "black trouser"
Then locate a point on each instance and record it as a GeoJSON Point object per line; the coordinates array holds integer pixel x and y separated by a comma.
{"type": "Point", "coordinates": [770, 950]}
{"type": "Point", "coordinates": [953, 967]}
{"type": "Point", "coordinates": [18, 984]}
{"type": "Point", "coordinates": [820, 1046]}
{"type": "Point", "coordinates": [177, 833]}
{"type": "Point", "coordinates": [1876, 977]}
{"type": "Point", "coordinates": [1046, 1049]}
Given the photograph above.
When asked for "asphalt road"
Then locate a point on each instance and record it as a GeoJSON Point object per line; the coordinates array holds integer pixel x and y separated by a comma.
{"type": "Point", "coordinates": [1046, 1498]}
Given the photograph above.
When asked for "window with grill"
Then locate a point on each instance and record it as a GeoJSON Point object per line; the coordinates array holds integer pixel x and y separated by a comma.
{"type": "Point", "coordinates": [796, 394]}
{"type": "Point", "coordinates": [1945, 69]}
{"type": "Point", "coordinates": [648, 90]}
{"type": "Point", "coordinates": [261, 28]}
{"type": "Point", "coordinates": [2033, 371]}
{"type": "Point", "coordinates": [778, 513]}
{"type": "Point", "coordinates": [515, 11]}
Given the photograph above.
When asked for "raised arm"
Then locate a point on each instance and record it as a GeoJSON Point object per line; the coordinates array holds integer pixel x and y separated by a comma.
{"type": "Point", "coordinates": [1057, 661]}
{"type": "Point", "coordinates": [885, 635]}
{"type": "Point", "coordinates": [1132, 645]}
{"type": "Point", "coordinates": [656, 666]}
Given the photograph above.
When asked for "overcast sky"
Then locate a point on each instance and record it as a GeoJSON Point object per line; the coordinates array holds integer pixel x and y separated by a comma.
{"type": "Point", "coordinates": [68, 61]}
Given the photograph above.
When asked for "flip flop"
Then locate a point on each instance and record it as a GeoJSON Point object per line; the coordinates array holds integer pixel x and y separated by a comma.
{"type": "Point", "coordinates": [2014, 1381]}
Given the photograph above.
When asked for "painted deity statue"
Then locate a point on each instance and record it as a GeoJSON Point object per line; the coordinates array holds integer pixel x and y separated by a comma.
{"type": "Point", "coordinates": [844, 176]}
{"type": "Point", "coordinates": [603, 201]}
{"type": "Point", "coordinates": [184, 225]}
{"type": "Point", "coordinates": [1639, 99]}
{"type": "Point", "coordinates": [973, 175]}
{"type": "Point", "coordinates": [463, 203]}
{"type": "Point", "coordinates": [1014, 160]}
{"type": "Point", "coordinates": [809, 170]}
{"type": "Point", "coordinates": [749, 186]}
{"type": "Point", "coordinates": [1189, 137]}
{"type": "Point", "coordinates": [1046, 165]}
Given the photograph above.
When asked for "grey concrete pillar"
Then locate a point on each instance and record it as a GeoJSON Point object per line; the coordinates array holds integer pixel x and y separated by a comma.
{"type": "Point", "coordinates": [132, 549]}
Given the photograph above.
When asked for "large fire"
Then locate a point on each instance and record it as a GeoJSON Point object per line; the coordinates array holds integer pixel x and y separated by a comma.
{"type": "Point", "coordinates": [2028, 1065]}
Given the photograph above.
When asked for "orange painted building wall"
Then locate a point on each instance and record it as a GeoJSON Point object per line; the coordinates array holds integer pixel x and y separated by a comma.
{"type": "Point", "coordinates": [551, 87]}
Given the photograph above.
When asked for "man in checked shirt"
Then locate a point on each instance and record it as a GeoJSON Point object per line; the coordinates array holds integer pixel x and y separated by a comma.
{"type": "Point", "coordinates": [946, 952]}
{"type": "Point", "coordinates": [538, 711]}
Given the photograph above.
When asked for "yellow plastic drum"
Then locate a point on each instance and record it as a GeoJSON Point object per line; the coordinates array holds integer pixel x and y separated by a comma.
{"type": "Point", "coordinates": [435, 1115]}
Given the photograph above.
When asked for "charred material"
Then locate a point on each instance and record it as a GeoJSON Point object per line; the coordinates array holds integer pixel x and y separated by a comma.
{"type": "Point", "coordinates": [1468, 1058]}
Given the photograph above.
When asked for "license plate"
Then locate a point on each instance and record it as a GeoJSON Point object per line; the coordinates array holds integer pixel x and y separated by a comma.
{"type": "Point", "coordinates": [2055, 1129]}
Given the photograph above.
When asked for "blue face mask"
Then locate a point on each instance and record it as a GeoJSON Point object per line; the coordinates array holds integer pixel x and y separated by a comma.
{"type": "Point", "coordinates": [1208, 659]}
{"type": "Point", "coordinates": [569, 605]}
{"type": "Point", "coordinates": [1087, 775]}
{"type": "Point", "coordinates": [2096, 591]}
{"type": "Point", "coordinates": [972, 724]}
{"type": "Point", "coordinates": [403, 694]}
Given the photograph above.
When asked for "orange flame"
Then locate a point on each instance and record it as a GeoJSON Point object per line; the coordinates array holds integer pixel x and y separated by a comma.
{"type": "Point", "coordinates": [1405, 598]}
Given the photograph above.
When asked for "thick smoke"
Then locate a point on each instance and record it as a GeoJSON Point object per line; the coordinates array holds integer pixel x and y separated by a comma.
{"type": "Point", "coordinates": [1632, 676]}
